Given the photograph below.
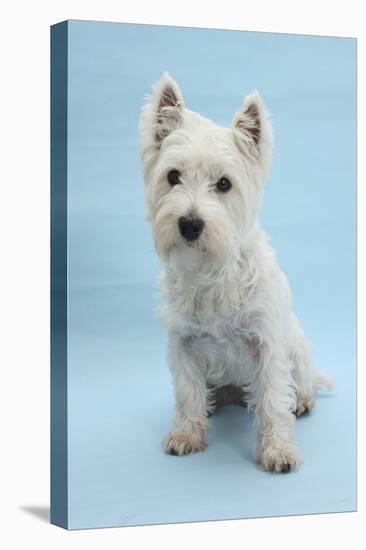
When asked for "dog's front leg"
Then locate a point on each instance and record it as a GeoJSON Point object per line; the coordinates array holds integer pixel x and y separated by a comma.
{"type": "Point", "coordinates": [274, 403]}
{"type": "Point", "coordinates": [190, 425]}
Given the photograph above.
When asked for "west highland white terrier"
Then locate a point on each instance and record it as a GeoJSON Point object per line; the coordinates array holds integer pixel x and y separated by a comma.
{"type": "Point", "coordinates": [232, 334]}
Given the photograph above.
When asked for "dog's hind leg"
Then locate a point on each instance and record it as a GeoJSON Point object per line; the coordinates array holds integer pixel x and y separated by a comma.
{"type": "Point", "coordinates": [306, 377]}
{"type": "Point", "coordinates": [302, 374]}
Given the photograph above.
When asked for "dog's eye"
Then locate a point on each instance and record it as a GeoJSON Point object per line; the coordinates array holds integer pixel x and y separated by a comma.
{"type": "Point", "coordinates": [223, 185]}
{"type": "Point", "coordinates": [173, 177]}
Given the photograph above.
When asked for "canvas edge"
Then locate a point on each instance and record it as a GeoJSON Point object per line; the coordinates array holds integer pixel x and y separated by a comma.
{"type": "Point", "coordinates": [58, 269]}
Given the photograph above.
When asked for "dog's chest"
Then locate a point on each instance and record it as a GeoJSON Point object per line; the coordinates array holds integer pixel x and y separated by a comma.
{"type": "Point", "coordinates": [199, 311]}
{"type": "Point", "coordinates": [215, 309]}
{"type": "Point", "coordinates": [225, 360]}
{"type": "Point", "coordinates": [218, 325]}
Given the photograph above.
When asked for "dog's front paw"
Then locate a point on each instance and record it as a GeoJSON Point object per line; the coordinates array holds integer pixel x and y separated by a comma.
{"type": "Point", "coordinates": [180, 443]}
{"type": "Point", "coordinates": [279, 459]}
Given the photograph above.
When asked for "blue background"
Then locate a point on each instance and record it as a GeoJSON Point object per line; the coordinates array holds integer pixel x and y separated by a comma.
{"type": "Point", "coordinates": [120, 398]}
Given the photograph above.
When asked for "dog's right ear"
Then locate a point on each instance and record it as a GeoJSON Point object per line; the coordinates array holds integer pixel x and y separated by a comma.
{"type": "Point", "coordinates": [167, 107]}
{"type": "Point", "coordinates": [161, 115]}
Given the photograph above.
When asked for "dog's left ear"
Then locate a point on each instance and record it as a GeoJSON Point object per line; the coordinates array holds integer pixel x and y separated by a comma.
{"type": "Point", "coordinates": [253, 130]}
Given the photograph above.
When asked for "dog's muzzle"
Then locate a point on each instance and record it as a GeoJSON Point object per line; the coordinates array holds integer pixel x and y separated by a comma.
{"type": "Point", "coordinates": [190, 227]}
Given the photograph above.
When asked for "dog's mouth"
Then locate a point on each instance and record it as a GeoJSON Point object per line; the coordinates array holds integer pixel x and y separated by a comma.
{"type": "Point", "coordinates": [197, 244]}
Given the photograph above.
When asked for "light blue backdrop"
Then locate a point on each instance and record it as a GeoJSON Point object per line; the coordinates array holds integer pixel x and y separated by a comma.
{"type": "Point", "coordinates": [120, 398]}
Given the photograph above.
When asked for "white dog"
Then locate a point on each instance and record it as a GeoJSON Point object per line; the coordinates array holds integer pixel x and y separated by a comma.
{"type": "Point", "coordinates": [231, 330]}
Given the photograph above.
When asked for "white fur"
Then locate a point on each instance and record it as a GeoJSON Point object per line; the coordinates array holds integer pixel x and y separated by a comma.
{"type": "Point", "coordinates": [227, 305]}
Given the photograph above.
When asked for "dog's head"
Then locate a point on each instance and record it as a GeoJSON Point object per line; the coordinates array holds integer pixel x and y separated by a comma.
{"type": "Point", "coordinates": [203, 182]}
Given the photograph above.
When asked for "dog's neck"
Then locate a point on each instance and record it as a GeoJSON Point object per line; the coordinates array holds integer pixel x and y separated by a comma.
{"type": "Point", "coordinates": [203, 287]}
{"type": "Point", "coordinates": [206, 269]}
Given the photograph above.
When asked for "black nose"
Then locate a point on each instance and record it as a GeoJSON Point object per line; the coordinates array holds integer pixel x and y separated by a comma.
{"type": "Point", "coordinates": [190, 228]}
